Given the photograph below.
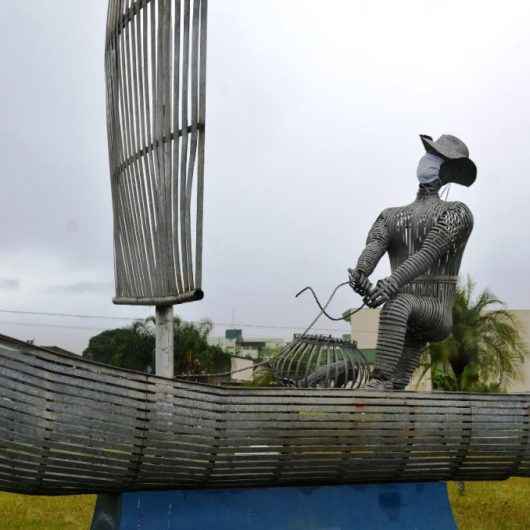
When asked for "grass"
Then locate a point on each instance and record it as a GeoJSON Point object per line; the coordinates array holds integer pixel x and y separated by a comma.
{"type": "Point", "coordinates": [492, 505]}
{"type": "Point", "coordinates": [484, 506]}
{"type": "Point", "coordinates": [21, 512]}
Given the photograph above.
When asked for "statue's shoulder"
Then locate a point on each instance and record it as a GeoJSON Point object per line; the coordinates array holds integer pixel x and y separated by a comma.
{"type": "Point", "coordinates": [459, 208]}
{"type": "Point", "coordinates": [459, 215]}
{"type": "Point", "coordinates": [388, 213]}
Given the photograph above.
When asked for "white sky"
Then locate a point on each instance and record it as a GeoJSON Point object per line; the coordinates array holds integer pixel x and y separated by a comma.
{"type": "Point", "coordinates": [313, 123]}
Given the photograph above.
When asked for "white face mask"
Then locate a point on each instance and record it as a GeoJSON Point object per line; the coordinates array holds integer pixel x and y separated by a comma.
{"type": "Point", "coordinates": [429, 168]}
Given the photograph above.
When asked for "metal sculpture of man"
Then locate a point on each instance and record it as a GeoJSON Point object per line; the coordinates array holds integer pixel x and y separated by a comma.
{"type": "Point", "coordinates": [425, 241]}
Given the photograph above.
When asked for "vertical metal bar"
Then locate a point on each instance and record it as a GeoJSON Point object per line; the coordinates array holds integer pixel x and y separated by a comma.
{"type": "Point", "coordinates": [113, 132]}
{"type": "Point", "coordinates": [144, 159]}
{"type": "Point", "coordinates": [156, 141]}
{"type": "Point", "coordinates": [184, 141]}
{"type": "Point", "coordinates": [194, 119]}
{"type": "Point", "coordinates": [133, 169]}
{"type": "Point", "coordinates": [139, 180]}
{"type": "Point", "coordinates": [150, 156]}
{"type": "Point", "coordinates": [165, 128]}
{"type": "Point", "coordinates": [176, 143]}
{"type": "Point", "coordinates": [128, 228]}
{"type": "Point", "coordinates": [200, 156]}
{"type": "Point", "coordinates": [164, 341]}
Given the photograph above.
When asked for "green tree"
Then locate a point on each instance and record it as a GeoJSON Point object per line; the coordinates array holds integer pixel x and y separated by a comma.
{"type": "Point", "coordinates": [133, 347]}
{"type": "Point", "coordinates": [485, 350]}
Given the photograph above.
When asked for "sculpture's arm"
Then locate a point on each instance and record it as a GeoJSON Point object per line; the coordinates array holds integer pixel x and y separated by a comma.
{"type": "Point", "coordinates": [376, 245]}
{"type": "Point", "coordinates": [452, 228]}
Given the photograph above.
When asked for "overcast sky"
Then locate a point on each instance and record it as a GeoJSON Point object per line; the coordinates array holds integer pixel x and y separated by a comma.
{"type": "Point", "coordinates": [314, 111]}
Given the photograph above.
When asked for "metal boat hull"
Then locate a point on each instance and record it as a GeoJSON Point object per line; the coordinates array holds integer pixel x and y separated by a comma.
{"type": "Point", "coordinates": [68, 425]}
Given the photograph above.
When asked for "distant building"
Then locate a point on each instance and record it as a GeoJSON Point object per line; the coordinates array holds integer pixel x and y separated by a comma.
{"type": "Point", "coordinates": [244, 352]}
{"type": "Point", "coordinates": [243, 368]}
{"type": "Point", "coordinates": [234, 343]}
{"type": "Point", "coordinates": [234, 334]}
{"type": "Point", "coordinates": [523, 317]}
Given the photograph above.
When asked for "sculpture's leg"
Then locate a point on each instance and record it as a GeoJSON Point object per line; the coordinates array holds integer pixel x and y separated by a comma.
{"type": "Point", "coordinates": [409, 361]}
{"type": "Point", "coordinates": [406, 324]}
{"type": "Point", "coordinates": [391, 336]}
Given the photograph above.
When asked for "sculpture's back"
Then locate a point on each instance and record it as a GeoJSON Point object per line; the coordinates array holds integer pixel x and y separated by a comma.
{"type": "Point", "coordinates": [409, 227]}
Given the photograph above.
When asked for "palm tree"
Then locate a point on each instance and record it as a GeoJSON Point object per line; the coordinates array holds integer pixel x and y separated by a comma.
{"type": "Point", "coordinates": [485, 350]}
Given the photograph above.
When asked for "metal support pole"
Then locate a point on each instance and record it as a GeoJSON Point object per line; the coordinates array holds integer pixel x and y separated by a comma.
{"type": "Point", "coordinates": [164, 341]}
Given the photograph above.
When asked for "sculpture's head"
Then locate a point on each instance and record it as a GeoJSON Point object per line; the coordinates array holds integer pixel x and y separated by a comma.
{"type": "Point", "coordinates": [446, 159]}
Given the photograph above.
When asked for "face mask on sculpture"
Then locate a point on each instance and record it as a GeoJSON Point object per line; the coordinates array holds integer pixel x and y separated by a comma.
{"type": "Point", "coordinates": [429, 168]}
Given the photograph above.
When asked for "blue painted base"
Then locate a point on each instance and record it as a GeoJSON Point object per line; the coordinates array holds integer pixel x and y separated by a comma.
{"type": "Point", "coordinates": [421, 506]}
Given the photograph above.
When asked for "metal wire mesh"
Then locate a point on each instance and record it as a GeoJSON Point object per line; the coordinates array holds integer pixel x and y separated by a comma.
{"type": "Point", "coordinates": [321, 361]}
{"type": "Point", "coordinates": [155, 62]}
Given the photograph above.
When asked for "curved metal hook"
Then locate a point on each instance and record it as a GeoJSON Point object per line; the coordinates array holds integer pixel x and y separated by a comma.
{"type": "Point", "coordinates": [323, 308]}
{"type": "Point", "coordinates": [320, 306]}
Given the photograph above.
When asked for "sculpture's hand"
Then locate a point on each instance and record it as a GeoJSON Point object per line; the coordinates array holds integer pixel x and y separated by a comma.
{"type": "Point", "coordinates": [384, 290]}
{"type": "Point", "coordinates": [359, 282]}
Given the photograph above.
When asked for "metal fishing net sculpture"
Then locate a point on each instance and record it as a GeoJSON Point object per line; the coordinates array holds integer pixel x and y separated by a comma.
{"type": "Point", "coordinates": [155, 62]}
{"type": "Point", "coordinates": [320, 361]}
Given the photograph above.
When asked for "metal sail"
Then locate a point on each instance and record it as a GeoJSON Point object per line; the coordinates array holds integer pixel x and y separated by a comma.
{"type": "Point", "coordinates": [155, 61]}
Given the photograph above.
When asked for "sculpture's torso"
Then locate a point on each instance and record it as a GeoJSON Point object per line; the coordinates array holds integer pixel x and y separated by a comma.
{"type": "Point", "coordinates": [408, 227]}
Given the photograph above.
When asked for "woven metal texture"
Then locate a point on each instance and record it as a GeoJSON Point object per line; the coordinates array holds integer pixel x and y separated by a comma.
{"type": "Point", "coordinates": [155, 62]}
{"type": "Point", "coordinates": [425, 241]}
{"type": "Point", "coordinates": [72, 426]}
{"type": "Point", "coordinates": [320, 361]}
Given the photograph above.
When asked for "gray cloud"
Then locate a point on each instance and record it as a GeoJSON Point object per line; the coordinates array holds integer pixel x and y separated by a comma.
{"type": "Point", "coordinates": [84, 287]}
{"type": "Point", "coordinates": [9, 284]}
{"type": "Point", "coordinates": [313, 117]}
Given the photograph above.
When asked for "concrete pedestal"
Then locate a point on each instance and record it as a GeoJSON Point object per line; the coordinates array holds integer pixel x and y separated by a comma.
{"type": "Point", "coordinates": [421, 506]}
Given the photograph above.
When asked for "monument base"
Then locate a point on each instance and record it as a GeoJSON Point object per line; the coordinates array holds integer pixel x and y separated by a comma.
{"type": "Point", "coordinates": [414, 506]}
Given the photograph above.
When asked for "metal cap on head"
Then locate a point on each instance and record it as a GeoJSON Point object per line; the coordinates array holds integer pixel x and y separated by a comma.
{"type": "Point", "coordinates": [458, 167]}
